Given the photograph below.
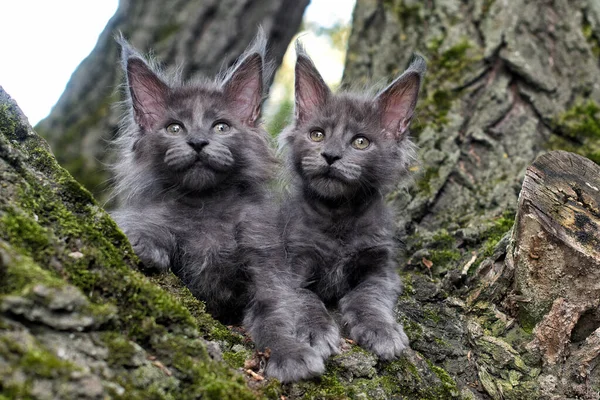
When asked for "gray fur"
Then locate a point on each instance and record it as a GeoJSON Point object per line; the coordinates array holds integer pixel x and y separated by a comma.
{"type": "Point", "coordinates": [336, 227]}
{"type": "Point", "coordinates": [196, 201]}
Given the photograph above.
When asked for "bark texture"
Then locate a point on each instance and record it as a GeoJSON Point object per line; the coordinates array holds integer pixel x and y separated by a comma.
{"type": "Point", "coordinates": [200, 36]}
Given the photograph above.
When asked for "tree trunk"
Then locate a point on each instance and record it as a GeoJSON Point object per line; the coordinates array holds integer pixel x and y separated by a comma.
{"type": "Point", "coordinates": [200, 36]}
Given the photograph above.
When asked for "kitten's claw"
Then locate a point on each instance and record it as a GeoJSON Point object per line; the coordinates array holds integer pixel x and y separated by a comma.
{"type": "Point", "coordinates": [180, 157]}
{"type": "Point", "coordinates": [291, 365]}
{"type": "Point", "coordinates": [386, 340]}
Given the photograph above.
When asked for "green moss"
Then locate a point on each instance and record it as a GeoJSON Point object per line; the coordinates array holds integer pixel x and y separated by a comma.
{"type": "Point", "coordinates": [448, 386]}
{"type": "Point", "coordinates": [405, 12]}
{"type": "Point", "coordinates": [403, 366]}
{"type": "Point", "coordinates": [329, 388]}
{"type": "Point", "coordinates": [413, 330]}
{"type": "Point", "coordinates": [431, 315]}
{"type": "Point", "coordinates": [580, 121]}
{"type": "Point", "coordinates": [408, 289]}
{"type": "Point", "coordinates": [236, 359]}
{"type": "Point", "coordinates": [211, 380]}
{"type": "Point", "coordinates": [578, 130]}
{"type": "Point", "coordinates": [494, 233]}
{"type": "Point", "coordinates": [441, 258]}
{"type": "Point", "coordinates": [25, 232]}
{"type": "Point", "coordinates": [426, 381]}
{"type": "Point", "coordinates": [26, 355]}
{"type": "Point", "coordinates": [45, 364]}
{"type": "Point", "coordinates": [442, 250]}
{"type": "Point", "coordinates": [10, 126]}
{"type": "Point", "coordinates": [424, 183]}
{"type": "Point", "coordinates": [120, 350]}
{"type": "Point", "coordinates": [442, 239]}
{"type": "Point", "coordinates": [444, 68]}
{"type": "Point", "coordinates": [590, 37]}
{"type": "Point", "coordinates": [21, 272]}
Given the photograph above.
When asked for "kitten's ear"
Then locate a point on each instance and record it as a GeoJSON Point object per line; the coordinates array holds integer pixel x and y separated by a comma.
{"type": "Point", "coordinates": [311, 90]}
{"type": "Point", "coordinates": [147, 91]}
{"type": "Point", "coordinates": [397, 102]}
{"type": "Point", "coordinates": [244, 89]}
{"type": "Point", "coordinates": [244, 84]}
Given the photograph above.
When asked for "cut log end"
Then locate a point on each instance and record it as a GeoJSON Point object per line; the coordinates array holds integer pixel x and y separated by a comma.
{"type": "Point", "coordinates": [556, 249]}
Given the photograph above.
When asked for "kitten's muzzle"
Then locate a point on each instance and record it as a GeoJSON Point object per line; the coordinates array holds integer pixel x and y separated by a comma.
{"type": "Point", "coordinates": [197, 144]}
{"type": "Point", "coordinates": [330, 158]}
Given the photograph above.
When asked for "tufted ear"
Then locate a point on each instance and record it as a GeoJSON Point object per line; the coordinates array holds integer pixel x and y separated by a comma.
{"type": "Point", "coordinates": [311, 91]}
{"type": "Point", "coordinates": [243, 88]}
{"type": "Point", "coordinates": [397, 102]}
{"type": "Point", "coordinates": [148, 93]}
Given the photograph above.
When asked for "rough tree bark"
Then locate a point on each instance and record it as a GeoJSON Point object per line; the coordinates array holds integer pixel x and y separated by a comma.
{"type": "Point", "coordinates": [200, 36]}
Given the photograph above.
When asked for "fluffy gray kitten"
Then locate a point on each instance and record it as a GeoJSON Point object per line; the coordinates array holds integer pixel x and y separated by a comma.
{"type": "Point", "coordinates": [345, 152]}
{"type": "Point", "coordinates": [191, 178]}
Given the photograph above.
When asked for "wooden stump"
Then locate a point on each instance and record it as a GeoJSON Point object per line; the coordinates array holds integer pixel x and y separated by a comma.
{"type": "Point", "coordinates": [555, 253]}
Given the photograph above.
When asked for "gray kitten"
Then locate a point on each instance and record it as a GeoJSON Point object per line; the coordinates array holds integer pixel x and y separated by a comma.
{"type": "Point", "coordinates": [191, 178]}
{"type": "Point", "coordinates": [345, 152]}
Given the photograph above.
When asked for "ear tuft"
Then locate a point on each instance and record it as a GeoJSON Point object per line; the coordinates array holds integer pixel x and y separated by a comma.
{"type": "Point", "coordinates": [147, 92]}
{"type": "Point", "coordinates": [311, 91]}
{"type": "Point", "coordinates": [243, 85]}
{"type": "Point", "coordinates": [397, 102]}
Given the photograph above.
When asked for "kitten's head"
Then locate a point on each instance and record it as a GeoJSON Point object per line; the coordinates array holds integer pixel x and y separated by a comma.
{"type": "Point", "coordinates": [197, 136]}
{"type": "Point", "coordinates": [344, 144]}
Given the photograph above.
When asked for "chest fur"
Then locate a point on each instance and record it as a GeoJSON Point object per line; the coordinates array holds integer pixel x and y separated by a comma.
{"type": "Point", "coordinates": [333, 262]}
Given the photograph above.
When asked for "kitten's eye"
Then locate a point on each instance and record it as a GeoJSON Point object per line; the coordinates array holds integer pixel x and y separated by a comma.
{"type": "Point", "coordinates": [317, 135]}
{"type": "Point", "coordinates": [174, 129]}
{"type": "Point", "coordinates": [361, 143]}
{"type": "Point", "coordinates": [221, 127]}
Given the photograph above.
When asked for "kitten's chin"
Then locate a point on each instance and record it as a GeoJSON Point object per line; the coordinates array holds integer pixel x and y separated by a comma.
{"type": "Point", "coordinates": [331, 188]}
{"type": "Point", "coordinates": [201, 178]}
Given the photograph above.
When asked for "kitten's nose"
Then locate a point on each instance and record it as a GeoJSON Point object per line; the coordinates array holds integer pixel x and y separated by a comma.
{"type": "Point", "coordinates": [330, 158]}
{"type": "Point", "coordinates": [197, 144]}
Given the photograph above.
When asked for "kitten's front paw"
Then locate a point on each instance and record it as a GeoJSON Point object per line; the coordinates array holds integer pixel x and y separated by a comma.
{"type": "Point", "coordinates": [151, 255]}
{"type": "Point", "coordinates": [291, 365]}
{"type": "Point", "coordinates": [180, 157]}
{"type": "Point", "coordinates": [386, 340]}
{"type": "Point", "coordinates": [324, 337]}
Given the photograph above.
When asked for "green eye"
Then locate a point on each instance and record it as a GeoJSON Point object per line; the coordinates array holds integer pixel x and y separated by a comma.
{"type": "Point", "coordinates": [360, 143]}
{"type": "Point", "coordinates": [174, 129]}
{"type": "Point", "coordinates": [221, 127]}
{"type": "Point", "coordinates": [317, 135]}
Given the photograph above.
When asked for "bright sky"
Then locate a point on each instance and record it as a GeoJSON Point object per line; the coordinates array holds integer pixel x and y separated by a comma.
{"type": "Point", "coordinates": [43, 41]}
